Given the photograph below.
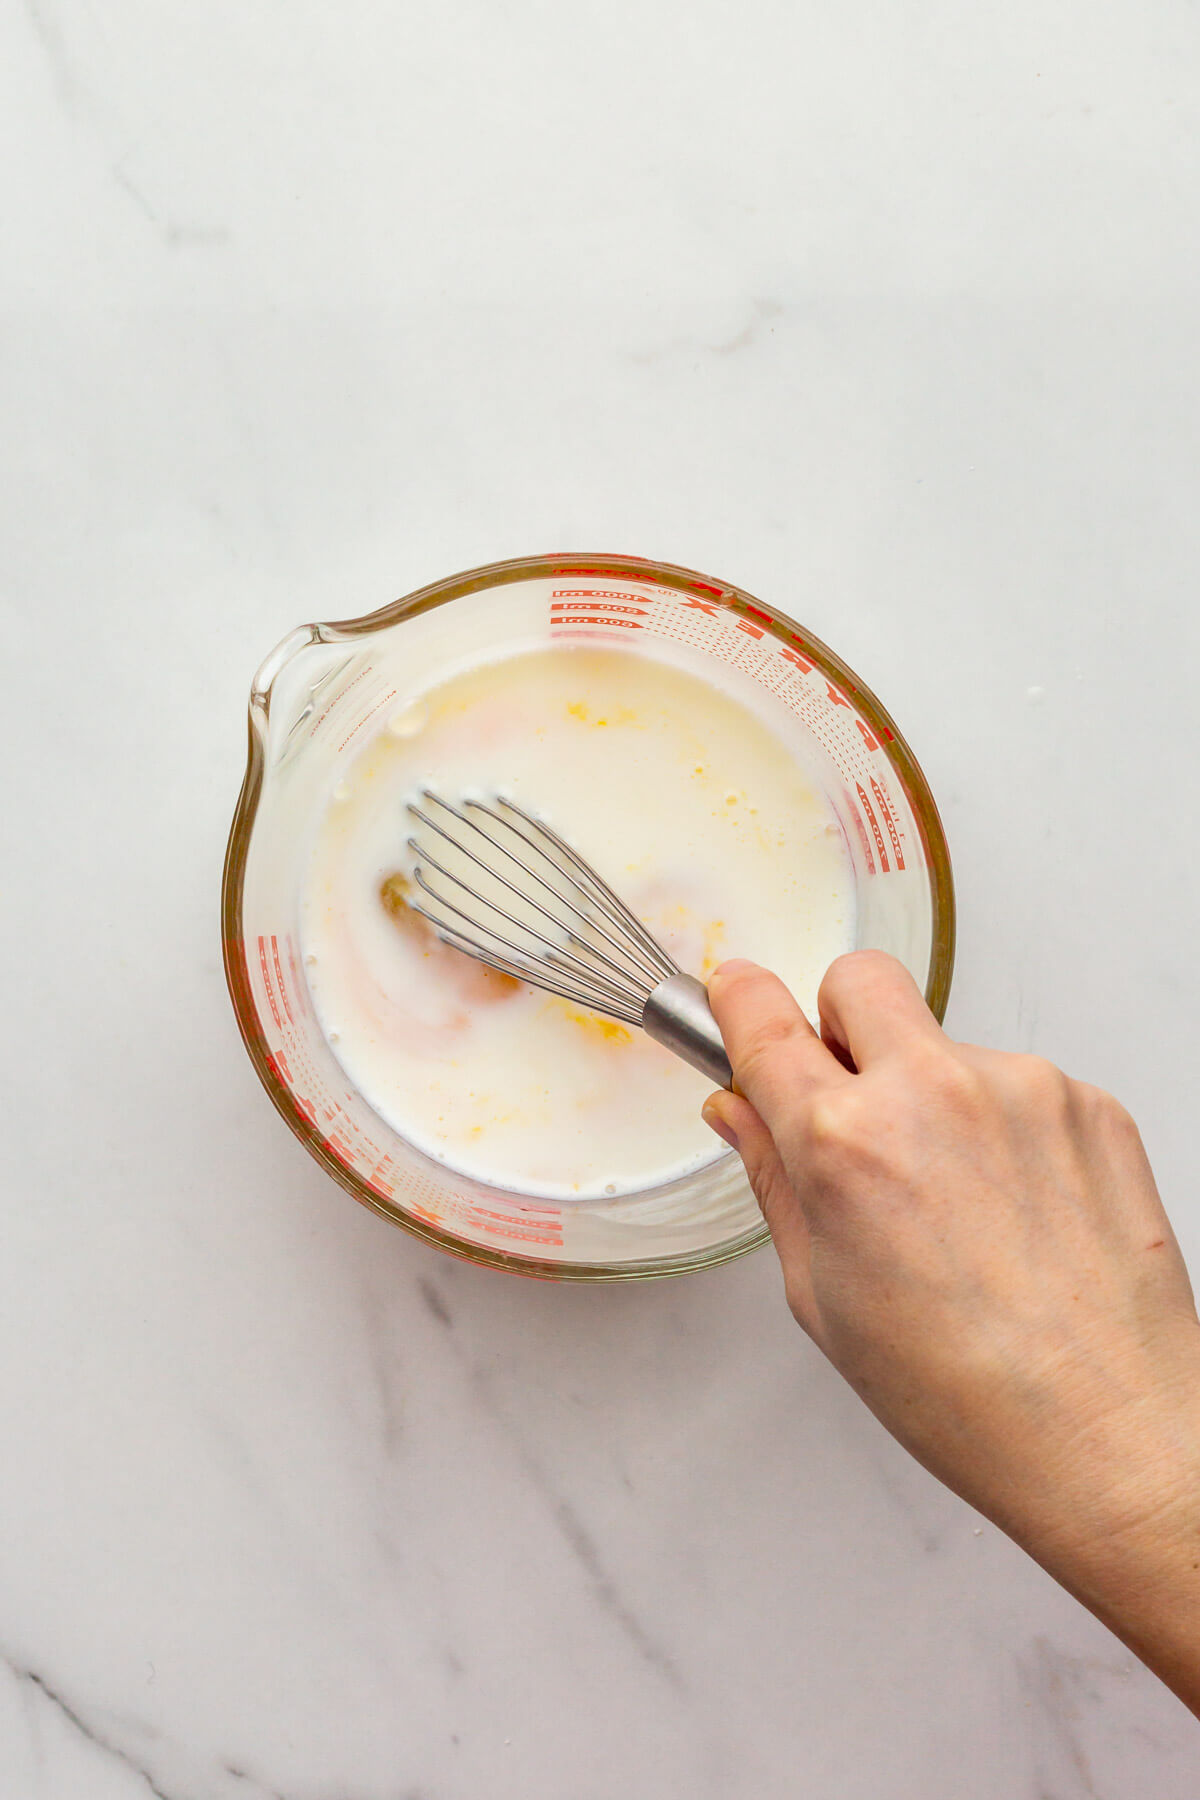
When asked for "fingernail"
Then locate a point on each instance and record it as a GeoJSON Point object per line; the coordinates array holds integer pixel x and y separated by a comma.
{"type": "Point", "coordinates": [715, 1122]}
{"type": "Point", "coordinates": [734, 966]}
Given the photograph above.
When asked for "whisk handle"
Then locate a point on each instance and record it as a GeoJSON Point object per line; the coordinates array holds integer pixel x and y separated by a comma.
{"type": "Point", "coordinates": [679, 1016]}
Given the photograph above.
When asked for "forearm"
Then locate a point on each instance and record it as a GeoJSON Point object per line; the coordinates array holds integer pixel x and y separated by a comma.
{"type": "Point", "coordinates": [1122, 1533]}
{"type": "Point", "coordinates": [1149, 1596]}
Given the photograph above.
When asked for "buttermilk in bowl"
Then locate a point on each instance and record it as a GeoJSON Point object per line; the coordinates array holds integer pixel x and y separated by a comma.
{"type": "Point", "coordinates": [704, 816]}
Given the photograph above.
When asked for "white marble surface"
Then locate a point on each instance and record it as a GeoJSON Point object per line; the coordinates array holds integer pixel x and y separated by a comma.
{"type": "Point", "coordinates": [887, 313]}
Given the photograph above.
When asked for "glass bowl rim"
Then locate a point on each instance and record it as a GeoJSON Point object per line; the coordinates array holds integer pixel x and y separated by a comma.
{"type": "Point", "coordinates": [500, 574]}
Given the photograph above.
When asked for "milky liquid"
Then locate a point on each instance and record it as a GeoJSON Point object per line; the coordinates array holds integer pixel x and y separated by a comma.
{"type": "Point", "coordinates": [690, 805]}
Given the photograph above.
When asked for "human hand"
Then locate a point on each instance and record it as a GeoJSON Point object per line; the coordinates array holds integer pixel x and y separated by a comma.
{"type": "Point", "coordinates": [977, 1243]}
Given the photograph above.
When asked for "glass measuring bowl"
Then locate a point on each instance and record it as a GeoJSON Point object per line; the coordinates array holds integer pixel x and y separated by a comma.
{"type": "Point", "coordinates": [313, 704]}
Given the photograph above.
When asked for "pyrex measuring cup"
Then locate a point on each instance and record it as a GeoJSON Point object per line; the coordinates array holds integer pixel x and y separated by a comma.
{"type": "Point", "coordinates": [314, 703]}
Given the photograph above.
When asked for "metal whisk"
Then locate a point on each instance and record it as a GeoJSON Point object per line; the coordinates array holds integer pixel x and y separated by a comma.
{"type": "Point", "coordinates": [512, 894]}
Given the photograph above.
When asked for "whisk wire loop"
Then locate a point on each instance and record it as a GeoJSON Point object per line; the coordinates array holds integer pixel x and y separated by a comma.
{"type": "Point", "coordinates": [566, 989]}
{"type": "Point", "coordinates": [596, 887]}
{"type": "Point", "coordinates": [630, 976]}
{"type": "Point", "coordinates": [630, 953]}
{"type": "Point", "coordinates": [574, 936]}
{"type": "Point", "coordinates": [575, 969]}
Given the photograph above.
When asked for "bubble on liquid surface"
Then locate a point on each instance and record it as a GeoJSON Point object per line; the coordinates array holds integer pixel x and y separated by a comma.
{"type": "Point", "coordinates": [409, 720]}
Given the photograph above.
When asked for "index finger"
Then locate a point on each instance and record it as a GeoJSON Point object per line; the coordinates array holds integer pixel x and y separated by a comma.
{"type": "Point", "coordinates": [869, 1002]}
{"type": "Point", "coordinates": [777, 1057]}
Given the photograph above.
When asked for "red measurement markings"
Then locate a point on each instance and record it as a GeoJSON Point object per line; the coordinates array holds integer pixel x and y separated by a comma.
{"type": "Point", "coordinates": [347, 1142]}
{"type": "Point", "coordinates": [299, 985]}
{"type": "Point", "coordinates": [596, 606]}
{"type": "Point", "coordinates": [864, 840]}
{"type": "Point", "coordinates": [283, 995]}
{"type": "Point", "coordinates": [341, 1149]}
{"type": "Point", "coordinates": [565, 609]}
{"type": "Point", "coordinates": [427, 1214]}
{"type": "Point", "coordinates": [870, 812]}
{"type": "Point", "coordinates": [369, 714]}
{"type": "Point", "coordinates": [503, 1225]}
{"type": "Point", "coordinates": [611, 572]}
{"type": "Point", "coordinates": [337, 699]}
{"type": "Point", "coordinates": [592, 596]}
{"type": "Point", "coordinates": [572, 569]}
{"type": "Point", "coordinates": [308, 1092]}
{"type": "Point", "coordinates": [266, 975]}
{"type": "Point", "coordinates": [551, 1219]}
{"type": "Point", "coordinates": [380, 1179]}
{"type": "Point", "coordinates": [817, 701]}
{"type": "Point", "coordinates": [888, 820]}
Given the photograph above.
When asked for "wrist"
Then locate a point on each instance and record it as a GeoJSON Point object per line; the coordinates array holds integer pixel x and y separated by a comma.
{"type": "Point", "coordinates": [1123, 1536]}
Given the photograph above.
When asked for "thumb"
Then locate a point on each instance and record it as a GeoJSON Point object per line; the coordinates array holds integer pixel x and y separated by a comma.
{"type": "Point", "coordinates": [733, 1118]}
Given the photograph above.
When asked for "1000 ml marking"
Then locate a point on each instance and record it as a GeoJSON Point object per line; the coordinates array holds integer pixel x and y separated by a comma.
{"type": "Point", "coordinates": [783, 669]}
